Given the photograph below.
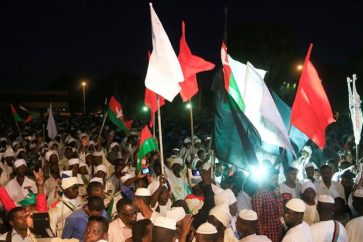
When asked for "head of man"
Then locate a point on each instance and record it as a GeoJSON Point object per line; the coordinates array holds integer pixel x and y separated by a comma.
{"type": "Point", "coordinates": [176, 166]}
{"type": "Point", "coordinates": [143, 195]}
{"type": "Point", "coordinates": [220, 217]}
{"type": "Point", "coordinates": [333, 164]}
{"type": "Point", "coordinates": [310, 171]}
{"type": "Point", "coordinates": [325, 207]}
{"type": "Point", "coordinates": [70, 187]}
{"type": "Point", "coordinates": [164, 196]}
{"type": "Point", "coordinates": [68, 152]}
{"type": "Point", "coordinates": [54, 169]}
{"type": "Point", "coordinates": [358, 201]}
{"type": "Point", "coordinates": [94, 206]}
{"type": "Point", "coordinates": [95, 189]}
{"type": "Point", "coordinates": [164, 230]}
{"type": "Point", "coordinates": [246, 222]}
{"type": "Point", "coordinates": [346, 180]}
{"type": "Point", "coordinates": [206, 232]}
{"type": "Point", "coordinates": [326, 173]}
{"type": "Point", "coordinates": [18, 219]}
{"type": "Point", "coordinates": [308, 192]}
{"type": "Point", "coordinates": [96, 230]}
{"type": "Point", "coordinates": [20, 167]}
{"type": "Point", "coordinates": [177, 213]}
{"type": "Point", "coordinates": [101, 171]}
{"type": "Point", "coordinates": [127, 211]}
{"type": "Point", "coordinates": [73, 165]}
{"type": "Point", "coordinates": [142, 231]}
{"type": "Point", "coordinates": [291, 174]}
{"type": "Point", "coordinates": [294, 212]}
{"type": "Point", "coordinates": [201, 154]}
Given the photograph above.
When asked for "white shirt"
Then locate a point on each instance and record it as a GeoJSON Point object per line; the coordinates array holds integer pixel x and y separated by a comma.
{"type": "Point", "coordinates": [355, 229]}
{"type": "Point", "coordinates": [295, 192]}
{"type": "Point", "coordinates": [255, 238]}
{"type": "Point", "coordinates": [243, 201]}
{"type": "Point", "coordinates": [323, 232]}
{"type": "Point", "coordinates": [17, 192]}
{"type": "Point", "coordinates": [118, 231]}
{"type": "Point", "coordinates": [16, 237]}
{"type": "Point", "coordinates": [335, 190]}
{"type": "Point", "coordinates": [299, 233]}
{"type": "Point", "coordinates": [311, 215]}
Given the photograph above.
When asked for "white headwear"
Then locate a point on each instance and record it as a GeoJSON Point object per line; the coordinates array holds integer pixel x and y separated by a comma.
{"type": "Point", "coordinates": [101, 168]}
{"type": "Point", "coordinates": [49, 153]}
{"type": "Point", "coordinates": [326, 199]}
{"type": "Point", "coordinates": [165, 222]}
{"type": "Point", "coordinates": [306, 185]}
{"type": "Point", "coordinates": [83, 164]}
{"type": "Point", "coordinates": [222, 214]}
{"type": "Point", "coordinates": [175, 149]}
{"type": "Point", "coordinates": [96, 179]}
{"type": "Point", "coordinates": [198, 141]}
{"type": "Point", "coordinates": [187, 140]}
{"type": "Point", "coordinates": [176, 213]}
{"type": "Point", "coordinates": [310, 164]}
{"type": "Point", "coordinates": [20, 162]}
{"type": "Point", "coordinates": [207, 228]}
{"type": "Point", "coordinates": [247, 214]}
{"type": "Point", "coordinates": [83, 135]}
{"type": "Point", "coordinates": [114, 144]}
{"type": "Point", "coordinates": [73, 161]}
{"type": "Point", "coordinates": [358, 193]}
{"type": "Point", "coordinates": [176, 160]}
{"type": "Point", "coordinates": [19, 150]}
{"type": "Point", "coordinates": [307, 149]}
{"type": "Point", "coordinates": [296, 205]}
{"type": "Point", "coordinates": [51, 143]}
{"type": "Point", "coordinates": [9, 152]}
{"type": "Point", "coordinates": [68, 182]}
{"type": "Point", "coordinates": [3, 139]}
{"type": "Point", "coordinates": [195, 137]}
{"type": "Point", "coordinates": [67, 173]}
{"type": "Point", "coordinates": [225, 197]}
{"type": "Point", "coordinates": [142, 192]}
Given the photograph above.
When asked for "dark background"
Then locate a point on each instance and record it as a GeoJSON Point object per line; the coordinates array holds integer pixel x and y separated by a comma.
{"type": "Point", "coordinates": [56, 44]}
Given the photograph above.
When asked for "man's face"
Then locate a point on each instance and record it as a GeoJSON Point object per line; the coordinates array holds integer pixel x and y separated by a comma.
{"type": "Point", "coordinates": [309, 195]}
{"type": "Point", "coordinates": [20, 171]}
{"type": "Point", "coordinates": [291, 176]}
{"type": "Point", "coordinates": [94, 232]}
{"type": "Point", "coordinates": [326, 174]}
{"type": "Point", "coordinates": [290, 217]}
{"type": "Point", "coordinates": [20, 220]}
{"type": "Point", "coordinates": [310, 171]}
{"type": "Point", "coordinates": [53, 159]}
{"type": "Point", "coordinates": [98, 192]}
{"type": "Point", "coordinates": [128, 214]}
{"type": "Point", "coordinates": [241, 225]}
{"type": "Point", "coordinates": [71, 192]}
{"type": "Point", "coordinates": [176, 169]}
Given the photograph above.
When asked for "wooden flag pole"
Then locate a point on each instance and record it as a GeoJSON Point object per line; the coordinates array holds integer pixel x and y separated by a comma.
{"type": "Point", "coordinates": [191, 126]}
{"type": "Point", "coordinates": [103, 125]}
{"type": "Point", "coordinates": [153, 125]}
{"type": "Point", "coordinates": [160, 137]}
{"type": "Point", "coordinates": [357, 155]}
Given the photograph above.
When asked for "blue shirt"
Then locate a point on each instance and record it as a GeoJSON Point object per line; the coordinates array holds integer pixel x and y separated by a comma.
{"type": "Point", "coordinates": [76, 224]}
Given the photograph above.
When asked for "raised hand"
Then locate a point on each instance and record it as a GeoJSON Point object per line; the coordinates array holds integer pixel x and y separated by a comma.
{"type": "Point", "coordinates": [39, 178]}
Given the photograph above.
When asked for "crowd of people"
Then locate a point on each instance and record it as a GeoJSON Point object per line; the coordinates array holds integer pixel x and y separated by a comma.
{"type": "Point", "coordinates": [86, 187]}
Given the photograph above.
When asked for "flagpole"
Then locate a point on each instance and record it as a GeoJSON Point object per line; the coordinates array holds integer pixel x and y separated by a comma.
{"type": "Point", "coordinates": [103, 125]}
{"type": "Point", "coordinates": [153, 124]}
{"type": "Point", "coordinates": [191, 126]}
{"type": "Point", "coordinates": [160, 137]}
{"type": "Point", "coordinates": [21, 137]}
{"type": "Point", "coordinates": [357, 155]}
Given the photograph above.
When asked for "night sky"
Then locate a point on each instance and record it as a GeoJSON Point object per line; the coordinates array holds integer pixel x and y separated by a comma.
{"type": "Point", "coordinates": [44, 40]}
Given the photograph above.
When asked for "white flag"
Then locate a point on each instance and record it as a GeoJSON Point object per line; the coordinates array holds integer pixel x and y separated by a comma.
{"type": "Point", "coordinates": [51, 127]}
{"type": "Point", "coordinates": [164, 72]}
{"type": "Point", "coordinates": [260, 107]}
{"type": "Point", "coordinates": [355, 110]}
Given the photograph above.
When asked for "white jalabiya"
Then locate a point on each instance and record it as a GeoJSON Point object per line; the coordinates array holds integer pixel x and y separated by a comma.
{"type": "Point", "coordinates": [355, 229]}
{"type": "Point", "coordinates": [255, 238]}
{"type": "Point", "coordinates": [335, 190]}
{"type": "Point", "coordinates": [311, 215]}
{"type": "Point", "coordinates": [323, 232]}
{"type": "Point", "coordinates": [295, 192]}
{"type": "Point", "coordinates": [299, 232]}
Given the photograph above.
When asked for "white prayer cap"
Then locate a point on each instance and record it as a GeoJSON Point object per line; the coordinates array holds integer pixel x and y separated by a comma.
{"type": "Point", "coordinates": [358, 193]}
{"type": "Point", "coordinates": [247, 214]}
{"type": "Point", "coordinates": [187, 140]}
{"type": "Point", "coordinates": [176, 213]}
{"type": "Point", "coordinates": [9, 152]}
{"type": "Point", "coordinates": [49, 153]}
{"type": "Point", "coordinates": [68, 182]}
{"type": "Point", "coordinates": [83, 164]}
{"type": "Point", "coordinates": [198, 141]}
{"type": "Point", "coordinates": [326, 199]}
{"type": "Point", "coordinates": [101, 168]}
{"type": "Point", "coordinates": [222, 214]}
{"type": "Point", "coordinates": [97, 153]}
{"type": "Point", "coordinates": [20, 162]}
{"type": "Point", "coordinates": [96, 179]}
{"type": "Point", "coordinates": [175, 149]}
{"type": "Point", "coordinates": [70, 140]}
{"type": "Point", "coordinates": [207, 228]}
{"type": "Point", "coordinates": [67, 173]}
{"type": "Point", "coordinates": [51, 143]}
{"type": "Point", "coordinates": [15, 143]}
{"type": "Point", "coordinates": [176, 160]}
{"type": "Point", "coordinates": [142, 192]}
{"type": "Point", "coordinates": [73, 161]}
{"type": "Point", "coordinates": [311, 164]}
{"type": "Point", "coordinates": [19, 150]}
{"type": "Point", "coordinates": [307, 149]}
{"type": "Point", "coordinates": [225, 197]}
{"type": "Point", "coordinates": [165, 222]}
{"type": "Point", "coordinates": [306, 185]}
{"type": "Point", "coordinates": [83, 135]}
{"type": "Point", "coordinates": [114, 144]}
{"type": "Point", "coordinates": [296, 205]}
{"type": "Point", "coordinates": [208, 138]}
{"type": "Point", "coordinates": [2, 139]}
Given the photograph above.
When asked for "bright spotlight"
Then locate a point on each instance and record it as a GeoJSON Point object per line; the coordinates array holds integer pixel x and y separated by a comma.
{"type": "Point", "coordinates": [299, 67]}
{"type": "Point", "coordinates": [259, 172]}
{"type": "Point", "coordinates": [144, 109]}
{"type": "Point", "coordinates": [188, 106]}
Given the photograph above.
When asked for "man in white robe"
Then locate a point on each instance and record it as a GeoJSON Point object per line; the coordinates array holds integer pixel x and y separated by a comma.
{"type": "Point", "coordinates": [355, 226]}
{"type": "Point", "coordinates": [247, 225]}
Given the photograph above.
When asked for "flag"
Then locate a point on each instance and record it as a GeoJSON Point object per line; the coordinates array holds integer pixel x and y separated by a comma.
{"type": "Point", "coordinates": [311, 112]}
{"type": "Point", "coordinates": [191, 65]}
{"type": "Point", "coordinates": [247, 87]}
{"type": "Point", "coordinates": [355, 110]}
{"type": "Point", "coordinates": [150, 101]}
{"type": "Point", "coordinates": [147, 144]}
{"type": "Point", "coordinates": [164, 72]}
{"type": "Point", "coordinates": [235, 137]}
{"type": "Point", "coordinates": [21, 114]}
{"type": "Point", "coordinates": [115, 113]}
{"type": "Point", "coordinates": [51, 127]}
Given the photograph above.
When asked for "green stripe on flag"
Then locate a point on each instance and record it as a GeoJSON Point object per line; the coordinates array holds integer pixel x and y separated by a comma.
{"type": "Point", "coordinates": [117, 122]}
{"type": "Point", "coordinates": [235, 94]}
{"type": "Point", "coordinates": [148, 146]}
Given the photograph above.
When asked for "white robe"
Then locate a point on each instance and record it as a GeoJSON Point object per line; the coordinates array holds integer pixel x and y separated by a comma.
{"type": "Point", "coordinates": [299, 232]}
{"type": "Point", "coordinates": [335, 190]}
{"type": "Point", "coordinates": [255, 238]}
{"type": "Point", "coordinates": [17, 192]}
{"type": "Point", "coordinates": [355, 229]}
{"type": "Point", "coordinates": [311, 215]}
{"type": "Point", "coordinates": [323, 232]}
{"type": "Point", "coordinates": [295, 192]}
